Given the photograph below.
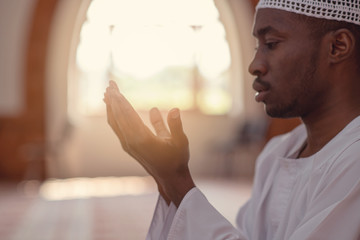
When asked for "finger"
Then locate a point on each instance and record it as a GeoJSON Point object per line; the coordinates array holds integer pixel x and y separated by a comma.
{"type": "Point", "coordinates": [116, 121]}
{"type": "Point", "coordinates": [129, 122]}
{"type": "Point", "coordinates": [117, 110]}
{"type": "Point", "coordinates": [111, 120]}
{"type": "Point", "coordinates": [119, 134]}
{"type": "Point", "coordinates": [106, 98]}
{"type": "Point", "coordinates": [123, 109]}
{"type": "Point", "coordinates": [158, 123]}
{"type": "Point", "coordinates": [107, 95]}
{"type": "Point", "coordinates": [176, 127]}
{"type": "Point", "coordinates": [114, 85]}
{"type": "Point", "coordinates": [114, 126]}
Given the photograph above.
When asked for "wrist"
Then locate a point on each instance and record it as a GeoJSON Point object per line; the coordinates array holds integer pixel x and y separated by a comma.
{"type": "Point", "coordinates": [176, 187]}
{"type": "Point", "coordinates": [163, 194]}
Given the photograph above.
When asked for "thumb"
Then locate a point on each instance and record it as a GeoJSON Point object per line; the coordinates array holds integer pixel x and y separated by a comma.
{"type": "Point", "coordinates": [175, 126]}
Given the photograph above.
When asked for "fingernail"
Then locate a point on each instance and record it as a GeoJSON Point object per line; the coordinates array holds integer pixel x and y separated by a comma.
{"type": "Point", "coordinates": [152, 110]}
{"type": "Point", "coordinates": [175, 113]}
{"type": "Point", "coordinates": [113, 84]}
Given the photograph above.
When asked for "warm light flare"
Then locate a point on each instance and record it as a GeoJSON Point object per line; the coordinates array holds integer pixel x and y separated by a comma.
{"type": "Point", "coordinates": [80, 188]}
{"type": "Point", "coordinates": [155, 51]}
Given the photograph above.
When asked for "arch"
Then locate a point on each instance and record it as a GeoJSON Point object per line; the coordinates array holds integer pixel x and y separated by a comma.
{"type": "Point", "coordinates": [60, 58]}
{"type": "Point", "coordinates": [236, 16]}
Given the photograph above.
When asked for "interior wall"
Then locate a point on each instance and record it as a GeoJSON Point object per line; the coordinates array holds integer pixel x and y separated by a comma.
{"type": "Point", "coordinates": [13, 50]}
{"type": "Point", "coordinates": [15, 21]}
{"type": "Point", "coordinates": [23, 39]}
{"type": "Point", "coordinates": [61, 162]}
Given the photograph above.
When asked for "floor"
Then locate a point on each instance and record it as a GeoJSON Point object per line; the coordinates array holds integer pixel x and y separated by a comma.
{"type": "Point", "coordinates": [97, 208]}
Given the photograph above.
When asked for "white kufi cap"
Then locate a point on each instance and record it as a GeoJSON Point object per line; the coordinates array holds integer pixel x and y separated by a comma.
{"type": "Point", "coordinates": [340, 10]}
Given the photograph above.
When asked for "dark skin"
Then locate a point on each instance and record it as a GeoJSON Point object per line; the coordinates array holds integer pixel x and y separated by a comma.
{"type": "Point", "coordinates": [296, 76]}
{"type": "Point", "coordinates": [315, 79]}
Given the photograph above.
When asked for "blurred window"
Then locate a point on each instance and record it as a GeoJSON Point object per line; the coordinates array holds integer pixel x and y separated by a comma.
{"type": "Point", "coordinates": [164, 53]}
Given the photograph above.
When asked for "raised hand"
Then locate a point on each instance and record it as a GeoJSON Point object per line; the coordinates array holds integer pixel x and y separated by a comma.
{"type": "Point", "coordinates": [164, 156]}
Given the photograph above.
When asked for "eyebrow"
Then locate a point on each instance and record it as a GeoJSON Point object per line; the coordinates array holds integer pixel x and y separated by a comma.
{"type": "Point", "coordinates": [264, 31]}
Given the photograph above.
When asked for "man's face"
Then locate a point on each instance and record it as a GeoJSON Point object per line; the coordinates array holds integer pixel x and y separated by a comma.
{"type": "Point", "coordinates": [286, 65]}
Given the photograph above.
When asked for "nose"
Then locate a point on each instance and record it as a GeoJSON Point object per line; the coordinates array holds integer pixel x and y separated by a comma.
{"type": "Point", "coordinates": [258, 66]}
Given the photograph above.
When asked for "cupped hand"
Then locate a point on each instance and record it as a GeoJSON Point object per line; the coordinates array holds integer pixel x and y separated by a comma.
{"type": "Point", "coordinates": [164, 155]}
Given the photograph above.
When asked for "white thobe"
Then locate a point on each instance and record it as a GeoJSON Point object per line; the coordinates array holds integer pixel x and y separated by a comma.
{"type": "Point", "coordinates": [317, 197]}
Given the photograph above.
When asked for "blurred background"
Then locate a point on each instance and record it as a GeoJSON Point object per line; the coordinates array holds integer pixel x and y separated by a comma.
{"type": "Point", "coordinates": [61, 167]}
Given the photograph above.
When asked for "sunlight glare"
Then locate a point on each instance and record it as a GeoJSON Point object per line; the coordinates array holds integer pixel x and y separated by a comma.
{"type": "Point", "coordinates": [163, 47]}
{"type": "Point", "coordinates": [154, 50]}
{"type": "Point", "coordinates": [82, 188]}
{"type": "Point", "coordinates": [215, 54]}
{"type": "Point", "coordinates": [91, 57]}
{"type": "Point", "coordinates": [214, 101]}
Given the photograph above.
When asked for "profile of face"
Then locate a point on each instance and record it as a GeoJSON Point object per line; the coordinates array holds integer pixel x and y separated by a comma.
{"type": "Point", "coordinates": [287, 65]}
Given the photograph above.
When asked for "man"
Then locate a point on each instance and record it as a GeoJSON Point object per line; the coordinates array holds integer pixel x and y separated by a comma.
{"type": "Point", "coordinates": [307, 182]}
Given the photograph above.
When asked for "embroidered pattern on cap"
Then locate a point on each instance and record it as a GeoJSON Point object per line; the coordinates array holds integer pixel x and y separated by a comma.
{"type": "Point", "coordinates": [340, 10]}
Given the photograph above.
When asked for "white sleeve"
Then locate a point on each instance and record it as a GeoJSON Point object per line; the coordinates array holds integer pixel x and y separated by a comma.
{"type": "Point", "coordinates": [162, 218]}
{"type": "Point", "coordinates": [195, 219]}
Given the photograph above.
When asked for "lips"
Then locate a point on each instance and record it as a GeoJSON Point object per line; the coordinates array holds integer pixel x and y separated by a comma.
{"type": "Point", "coordinates": [261, 88]}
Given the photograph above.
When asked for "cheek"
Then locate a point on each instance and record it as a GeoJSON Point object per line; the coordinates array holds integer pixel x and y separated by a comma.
{"type": "Point", "coordinates": [290, 85]}
{"type": "Point", "coordinates": [284, 78]}
{"type": "Point", "coordinates": [292, 70]}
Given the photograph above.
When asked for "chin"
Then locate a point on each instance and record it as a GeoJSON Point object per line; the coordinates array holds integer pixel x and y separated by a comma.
{"type": "Point", "coordinates": [281, 112]}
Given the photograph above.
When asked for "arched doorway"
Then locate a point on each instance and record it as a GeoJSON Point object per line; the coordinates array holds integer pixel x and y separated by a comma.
{"type": "Point", "coordinates": [79, 152]}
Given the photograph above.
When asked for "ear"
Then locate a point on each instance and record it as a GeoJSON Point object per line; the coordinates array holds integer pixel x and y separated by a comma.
{"type": "Point", "coordinates": [342, 45]}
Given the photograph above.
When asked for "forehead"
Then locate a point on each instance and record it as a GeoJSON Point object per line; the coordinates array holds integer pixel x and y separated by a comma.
{"type": "Point", "coordinates": [269, 20]}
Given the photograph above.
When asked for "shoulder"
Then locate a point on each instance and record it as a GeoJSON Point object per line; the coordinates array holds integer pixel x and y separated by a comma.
{"type": "Point", "coordinates": [343, 158]}
{"type": "Point", "coordinates": [340, 158]}
{"type": "Point", "coordinates": [346, 145]}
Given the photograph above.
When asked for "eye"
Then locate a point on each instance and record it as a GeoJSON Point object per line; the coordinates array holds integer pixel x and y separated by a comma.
{"type": "Point", "coordinates": [271, 45]}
